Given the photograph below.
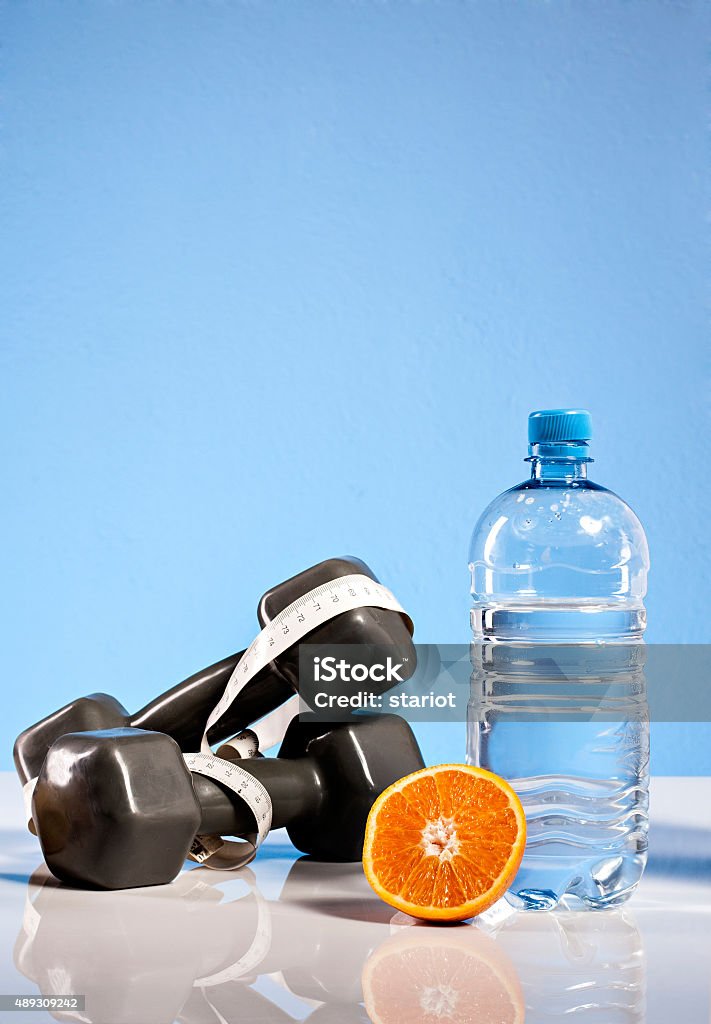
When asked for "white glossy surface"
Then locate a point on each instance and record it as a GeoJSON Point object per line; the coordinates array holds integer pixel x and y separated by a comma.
{"type": "Point", "coordinates": [290, 939]}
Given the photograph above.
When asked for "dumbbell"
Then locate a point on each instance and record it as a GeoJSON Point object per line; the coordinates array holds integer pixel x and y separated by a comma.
{"type": "Point", "coordinates": [182, 711]}
{"type": "Point", "coordinates": [118, 808]}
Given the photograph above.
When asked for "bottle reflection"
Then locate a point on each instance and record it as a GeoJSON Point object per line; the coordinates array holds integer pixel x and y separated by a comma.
{"type": "Point", "coordinates": [579, 966]}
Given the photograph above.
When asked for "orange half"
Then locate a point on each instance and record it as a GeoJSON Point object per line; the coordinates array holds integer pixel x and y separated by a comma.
{"type": "Point", "coordinates": [444, 843]}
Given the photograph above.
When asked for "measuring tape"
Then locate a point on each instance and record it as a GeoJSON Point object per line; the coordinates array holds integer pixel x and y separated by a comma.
{"type": "Point", "coordinates": [284, 631]}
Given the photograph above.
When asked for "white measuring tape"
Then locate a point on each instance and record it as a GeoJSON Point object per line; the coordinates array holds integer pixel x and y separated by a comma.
{"type": "Point", "coordinates": [289, 627]}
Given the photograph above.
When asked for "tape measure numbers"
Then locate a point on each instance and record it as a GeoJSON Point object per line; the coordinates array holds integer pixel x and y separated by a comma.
{"type": "Point", "coordinates": [213, 851]}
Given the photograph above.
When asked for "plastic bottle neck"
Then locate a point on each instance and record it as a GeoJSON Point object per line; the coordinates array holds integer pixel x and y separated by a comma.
{"type": "Point", "coordinates": [561, 460]}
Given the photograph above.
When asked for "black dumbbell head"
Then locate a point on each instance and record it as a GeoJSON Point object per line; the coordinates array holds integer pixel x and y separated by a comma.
{"type": "Point", "coordinates": [356, 760]}
{"type": "Point", "coordinates": [97, 711]}
{"type": "Point", "coordinates": [114, 805]}
{"type": "Point", "coordinates": [376, 633]}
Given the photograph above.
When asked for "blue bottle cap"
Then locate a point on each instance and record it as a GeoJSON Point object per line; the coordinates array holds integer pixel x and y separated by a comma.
{"type": "Point", "coordinates": [546, 426]}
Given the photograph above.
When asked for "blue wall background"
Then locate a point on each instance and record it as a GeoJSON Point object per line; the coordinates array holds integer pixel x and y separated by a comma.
{"type": "Point", "coordinates": [283, 280]}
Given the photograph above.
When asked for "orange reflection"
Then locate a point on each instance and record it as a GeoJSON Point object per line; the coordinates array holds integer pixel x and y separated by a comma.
{"type": "Point", "coordinates": [427, 975]}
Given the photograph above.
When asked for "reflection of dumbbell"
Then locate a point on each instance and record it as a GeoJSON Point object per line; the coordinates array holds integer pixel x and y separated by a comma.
{"type": "Point", "coordinates": [183, 711]}
{"type": "Point", "coordinates": [322, 928]}
{"type": "Point", "coordinates": [136, 955]}
{"type": "Point", "coordinates": [119, 808]}
{"type": "Point", "coordinates": [150, 956]}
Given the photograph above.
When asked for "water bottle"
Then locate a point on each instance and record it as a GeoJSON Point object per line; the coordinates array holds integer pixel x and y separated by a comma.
{"type": "Point", "coordinates": [558, 578]}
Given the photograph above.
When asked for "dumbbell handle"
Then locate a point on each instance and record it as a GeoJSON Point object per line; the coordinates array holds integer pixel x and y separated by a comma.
{"type": "Point", "coordinates": [294, 785]}
{"type": "Point", "coordinates": [183, 710]}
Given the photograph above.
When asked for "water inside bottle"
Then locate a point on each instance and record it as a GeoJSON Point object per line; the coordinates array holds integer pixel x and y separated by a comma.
{"type": "Point", "coordinates": [567, 725]}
